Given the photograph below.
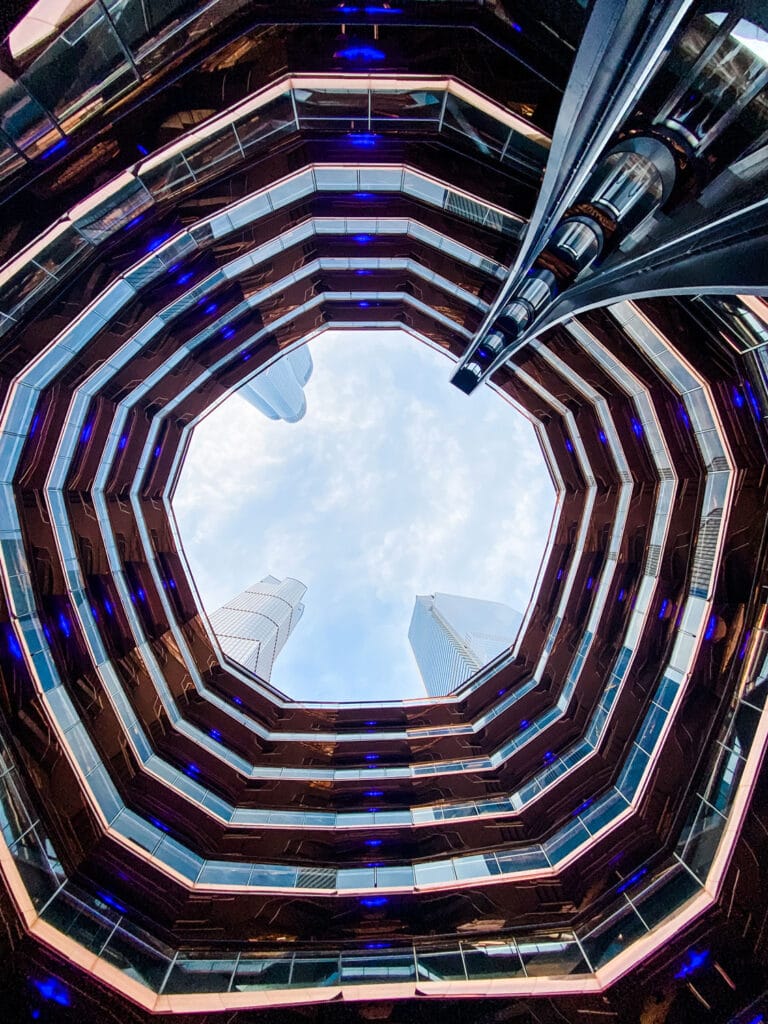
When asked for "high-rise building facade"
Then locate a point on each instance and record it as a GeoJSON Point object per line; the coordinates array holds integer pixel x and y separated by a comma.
{"type": "Point", "coordinates": [278, 391]}
{"type": "Point", "coordinates": [569, 199]}
{"type": "Point", "coordinates": [253, 627]}
{"type": "Point", "coordinates": [453, 637]}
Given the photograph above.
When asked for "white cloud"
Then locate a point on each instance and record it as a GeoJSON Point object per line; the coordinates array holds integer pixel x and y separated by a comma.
{"type": "Point", "coordinates": [393, 484]}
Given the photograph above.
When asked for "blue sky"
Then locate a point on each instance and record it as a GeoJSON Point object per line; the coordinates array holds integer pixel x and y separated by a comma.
{"type": "Point", "coordinates": [394, 484]}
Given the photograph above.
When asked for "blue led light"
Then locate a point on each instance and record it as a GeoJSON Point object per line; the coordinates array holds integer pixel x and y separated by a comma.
{"type": "Point", "coordinates": [363, 239]}
{"type": "Point", "coordinates": [142, 594]}
{"type": "Point", "coordinates": [246, 356]}
{"type": "Point", "coordinates": [371, 722]}
{"type": "Point", "coordinates": [590, 582]}
{"type": "Point", "coordinates": [601, 435]}
{"type": "Point", "coordinates": [637, 427]}
{"type": "Point", "coordinates": [515, 26]}
{"type": "Point", "coordinates": [378, 945]}
{"type": "Point", "coordinates": [366, 140]}
{"type": "Point", "coordinates": [632, 879]}
{"type": "Point", "coordinates": [711, 627]}
{"type": "Point", "coordinates": [752, 400]}
{"type": "Point", "coordinates": [64, 625]}
{"type": "Point", "coordinates": [365, 54]}
{"type": "Point", "coordinates": [500, 693]}
{"type": "Point", "coordinates": [184, 278]}
{"type": "Point", "coordinates": [172, 583]}
{"type": "Point", "coordinates": [374, 901]}
{"type": "Point", "coordinates": [215, 735]}
{"type": "Point", "coordinates": [13, 644]}
{"type": "Point", "coordinates": [227, 332]}
{"type": "Point", "coordinates": [363, 195]}
{"type": "Point", "coordinates": [694, 961]}
{"type": "Point", "coordinates": [483, 353]}
{"type": "Point", "coordinates": [738, 398]}
{"type": "Point", "coordinates": [583, 806]}
{"type": "Point", "coordinates": [34, 424]}
{"type": "Point", "coordinates": [371, 757]}
{"type": "Point", "coordinates": [155, 243]}
{"type": "Point", "coordinates": [55, 148]}
{"type": "Point", "coordinates": [683, 415]}
{"type": "Point", "coordinates": [363, 273]}
{"type": "Point", "coordinates": [373, 9]}
{"type": "Point", "coordinates": [568, 445]}
{"type": "Point", "coordinates": [86, 432]}
{"type": "Point", "coordinates": [122, 442]}
{"type": "Point", "coordinates": [47, 633]}
{"type": "Point", "coordinates": [192, 769]}
{"type": "Point", "coordinates": [159, 824]}
{"type": "Point", "coordinates": [373, 842]}
{"type": "Point", "coordinates": [111, 901]}
{"type": "Point", "coordinates": [107, 606]}
{"type": "Point", "coordinates": [136, 220]}
{"type": "Point", "coordinates": [663, 609]}
{"type": "Point", "coordinates": [524, 724]}
{"type": "Point", "coordinates": [142, 149]}
{"type": "Point", "coordinates": [53, 990]}
{"type": "Point", "coordinates": [95, 613]}
{"type": "Point", "coordinates": [374, 792]}
{"type": "Point", "coordinates": [157, 451]}
{"type": "Point", "coordinates": [758, 1019]}
{"type": "Point", "coordinates": [363, 305]}
{"type": "Point", "coordinates": [743, 648]}
{"type": "Point", "coordinates": [622, 595]}
{"type": "Point", "coordinates": [549, 757]}
{"type": "Point", "coordinates": [211, 308]}
{"type": "Point", "coordinates": [559, 574]}
{"type": "Point", "coordinates": [373, 810]}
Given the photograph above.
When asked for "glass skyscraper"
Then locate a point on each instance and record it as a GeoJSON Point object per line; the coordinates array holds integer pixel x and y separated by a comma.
{"type": "Point", "coordinates": [278, 391]}
{"type": "Point", "coordinates": [254, 626]}
{"type": "Point", "coordinates": [452, 637]}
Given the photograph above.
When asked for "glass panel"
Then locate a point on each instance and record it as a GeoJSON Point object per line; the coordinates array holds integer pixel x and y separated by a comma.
{"type": "Point", "coordinates": [198, 974]}
{"type": "Point", "coordinates": [476, 867]}
{"type": "Point", "coordinates": [137, 958]}
{"type": "Point", "coordinates": [138, 21]}
{"type": "Point", "coordinates": [445, 966]}
{"type": "Point", "coordinates": [34, 867]}
{"type": "Point", "coordinates": [381, 967]}
{"type": "Point", "coordinates": [558, 955]}
{"type": "Point", "coordinates": [613, 936]}
{"type": "Point", "coordinates": [440, 871]}
{"type": "Point", "coordinates": [397, 876]}
{"type": "Point", "coordinates": [659, 903]}
{"type": "Point", "coordinates": [492, 959]}
{"type": "Point", "coordinates": [84, 64]}
{"type": "Point", "coordinates": [317, 971]}
{"type": "Point", "coordinates": [23, 120]}
{"type": "Point", "coordinates": [331, 108]}
{"type": "Point", "coordinates": [420, 105]}
{"type": "Point", "coordinates": [487, 134]}
{"type": "Point", "coordinates": [83, 923]}
{"type": "Point", "coordinates": [272, 117]}
{"type": "Point", "coordinates": [703, 841]}
{"type": "Point", "coordinates": [257, 970]}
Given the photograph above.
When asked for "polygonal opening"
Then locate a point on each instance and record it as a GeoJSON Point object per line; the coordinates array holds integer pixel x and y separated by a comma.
{"type": "Point", "coordinates": [393, 486]}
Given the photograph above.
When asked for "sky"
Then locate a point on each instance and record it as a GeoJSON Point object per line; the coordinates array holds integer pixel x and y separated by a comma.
{"type": "Point", "coordinates": [393, 484]}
